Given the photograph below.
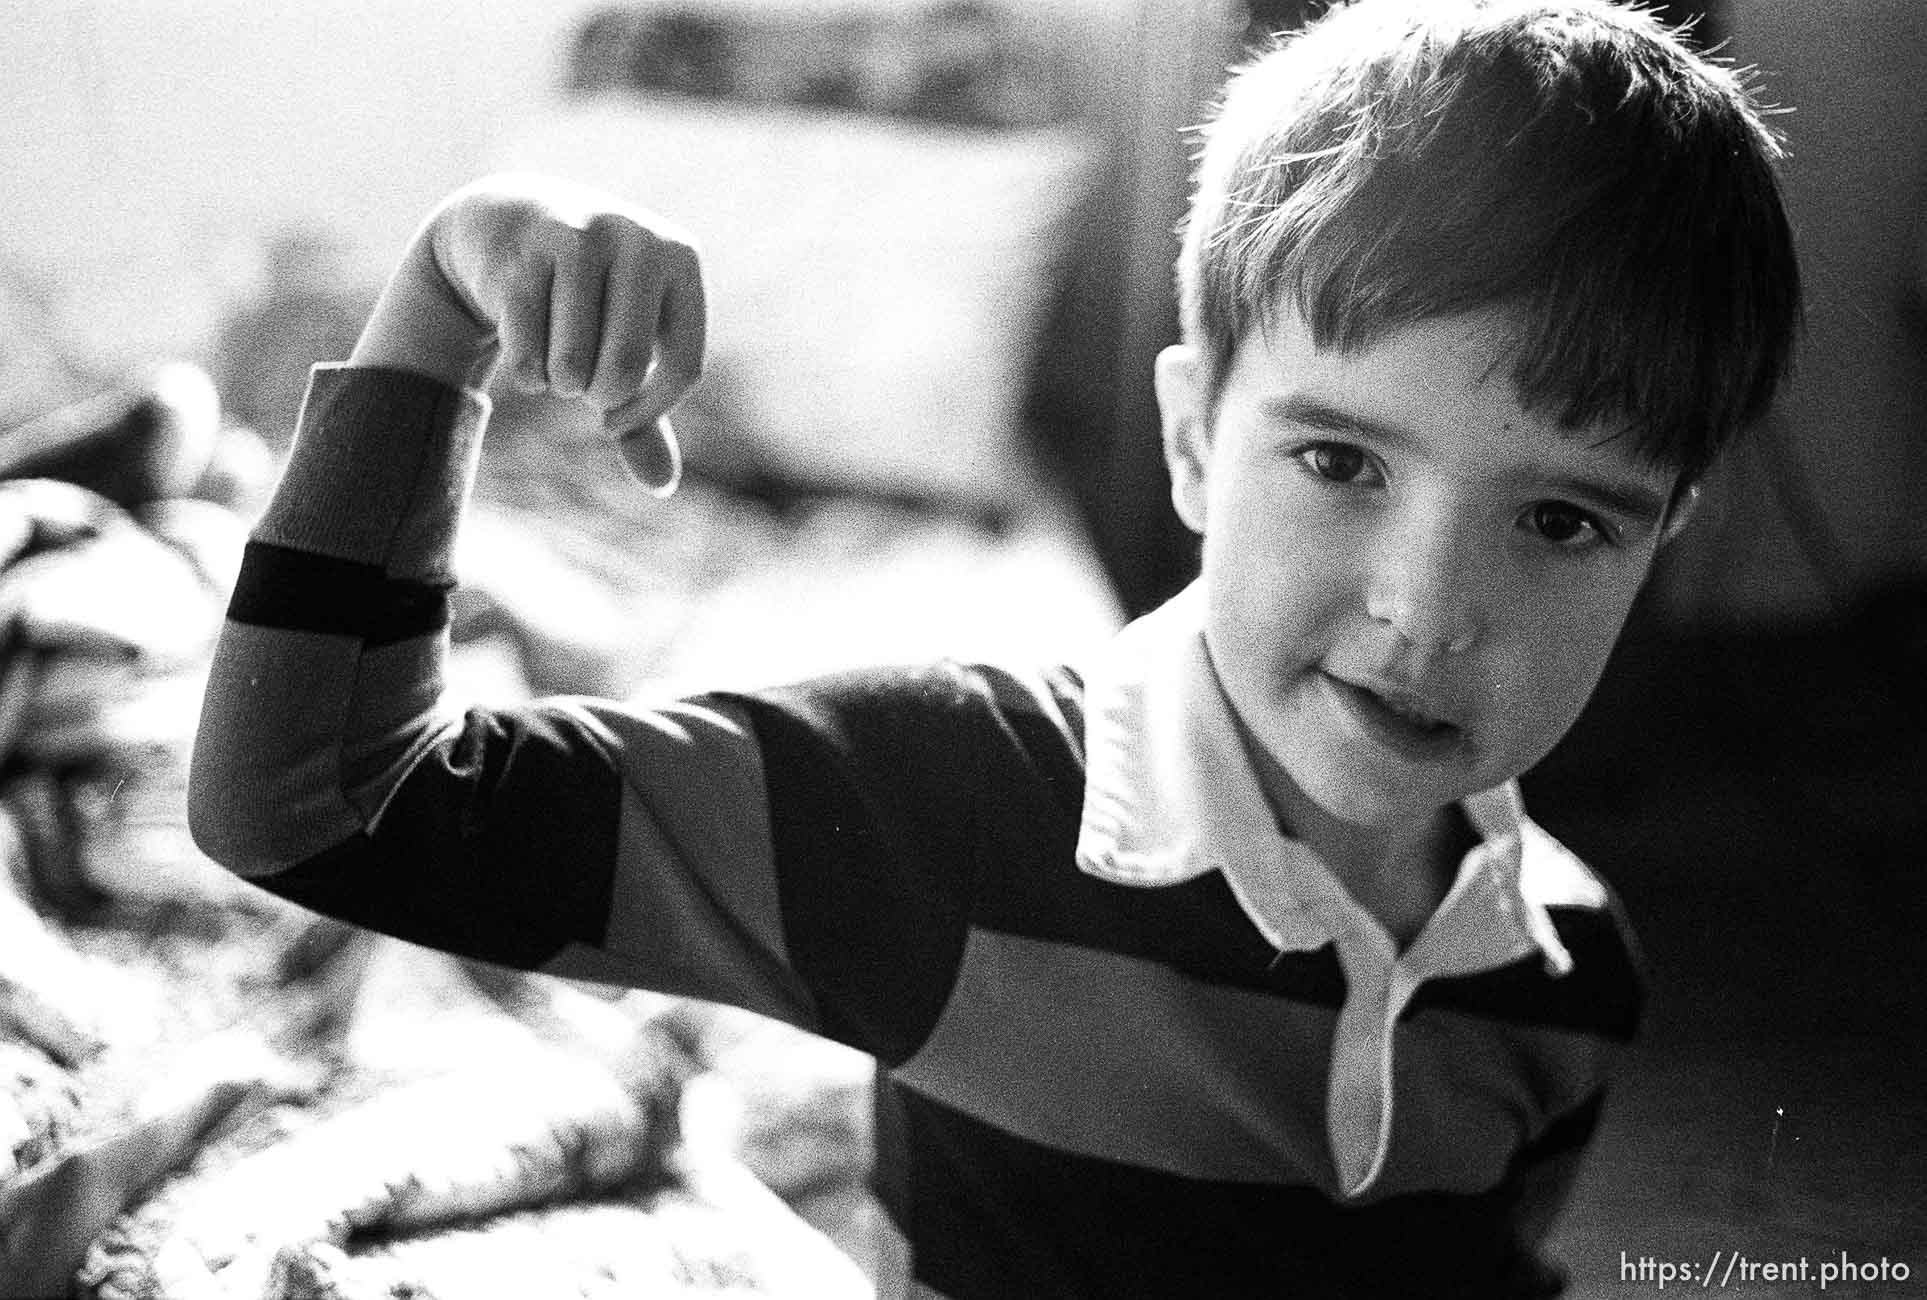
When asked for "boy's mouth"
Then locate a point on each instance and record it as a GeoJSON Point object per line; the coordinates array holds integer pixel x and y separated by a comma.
{"type": "Point", "coordinates": [1396, 718]}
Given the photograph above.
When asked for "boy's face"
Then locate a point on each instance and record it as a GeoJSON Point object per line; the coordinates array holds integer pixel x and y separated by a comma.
{"type": "Point", "coordinates": [1412, 582]}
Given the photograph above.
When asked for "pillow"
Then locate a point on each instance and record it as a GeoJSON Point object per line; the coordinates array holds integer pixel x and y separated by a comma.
{"type": "Point", "coordinates": [876, 286]}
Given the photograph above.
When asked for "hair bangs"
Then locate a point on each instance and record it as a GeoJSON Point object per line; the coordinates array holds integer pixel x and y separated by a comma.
{"type": "Point", "coordinates": [1614, 196]}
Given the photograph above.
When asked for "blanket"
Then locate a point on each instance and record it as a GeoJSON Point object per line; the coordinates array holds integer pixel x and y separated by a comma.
{"type": "Point", "coordinates": [207, 1092]}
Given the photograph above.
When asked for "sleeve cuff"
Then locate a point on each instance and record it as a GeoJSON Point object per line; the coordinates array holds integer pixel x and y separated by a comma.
{"type": "Point", "coordinates": [381, 467]}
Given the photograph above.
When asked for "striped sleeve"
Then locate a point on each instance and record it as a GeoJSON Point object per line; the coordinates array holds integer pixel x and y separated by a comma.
{"type": "Point", "coordinates": [891, 796]}
{"type": "Point", "coordinates": [573, 836]}
{"type": "Point", "coordinates": [326, 680]}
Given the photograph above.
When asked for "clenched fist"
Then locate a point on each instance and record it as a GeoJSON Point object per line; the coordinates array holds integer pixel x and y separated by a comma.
{"type": "Point", "coordinates": [577, 293]}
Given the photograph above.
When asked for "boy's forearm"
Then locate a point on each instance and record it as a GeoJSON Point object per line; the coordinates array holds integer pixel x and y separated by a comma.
{"type": "Point", "coordinates": [327, 674]}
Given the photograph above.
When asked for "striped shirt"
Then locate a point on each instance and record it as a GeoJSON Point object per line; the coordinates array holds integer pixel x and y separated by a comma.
{"type": "Point", "coordinates": [1131, 1039]}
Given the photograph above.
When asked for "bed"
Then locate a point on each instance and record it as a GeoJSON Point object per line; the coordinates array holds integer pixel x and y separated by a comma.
{"type": "Point", "coordinates": [206, 1093]}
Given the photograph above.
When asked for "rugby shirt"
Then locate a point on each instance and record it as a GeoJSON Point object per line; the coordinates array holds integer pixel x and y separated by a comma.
{"type": "Point", "coordinates": [1130, 1039]}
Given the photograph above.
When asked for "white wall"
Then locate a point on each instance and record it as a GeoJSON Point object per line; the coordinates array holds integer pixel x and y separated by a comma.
{"type": "Point", "coordinates": [148, 147]}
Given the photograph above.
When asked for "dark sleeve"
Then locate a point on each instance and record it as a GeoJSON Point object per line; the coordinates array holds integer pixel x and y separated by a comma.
{"type": "Point", "coordinates": [891, 797]}
{"type": "Point", "coordinates": [581, 837]}
{"type": "Point", "coordinates": [500, 844]}
{"type": "Point", "coordinates": [327, 768]}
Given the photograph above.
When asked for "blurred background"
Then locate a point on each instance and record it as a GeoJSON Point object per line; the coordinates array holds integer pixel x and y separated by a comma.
{"type": "Point", "coordinates": [940, 237]}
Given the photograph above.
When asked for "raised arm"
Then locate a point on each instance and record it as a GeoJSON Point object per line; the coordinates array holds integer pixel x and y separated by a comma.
{"type": "Point", "coordinates": [572, 836]}
{"type": "Point", "coordinates": [349, 568]}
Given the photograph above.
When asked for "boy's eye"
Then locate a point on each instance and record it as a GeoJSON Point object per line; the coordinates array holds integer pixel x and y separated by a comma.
{"type": "Point", "coordinates": [1338, 462]}
{"type": "Point", "coordinates": [1566, 525]}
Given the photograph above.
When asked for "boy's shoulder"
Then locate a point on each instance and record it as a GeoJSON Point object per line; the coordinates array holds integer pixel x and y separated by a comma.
{"type": "Point", "coordinates": [935, 740]}
{"type": "Point", "coordinates": [893, 795]}
{"type": "Point", "coordinates": [931, 704]}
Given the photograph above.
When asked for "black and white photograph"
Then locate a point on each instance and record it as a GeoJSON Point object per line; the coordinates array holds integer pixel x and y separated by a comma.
{"type": "Point", "coordinates": [961, 649]}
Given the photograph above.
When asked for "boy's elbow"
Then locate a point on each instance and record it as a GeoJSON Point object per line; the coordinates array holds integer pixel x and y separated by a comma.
{"type": "Point", "coordinates": [217, 820]}
{"type": "Point", "coordinates": [262, 793]}
{"type": "Point", "coordinates": [239, 817]}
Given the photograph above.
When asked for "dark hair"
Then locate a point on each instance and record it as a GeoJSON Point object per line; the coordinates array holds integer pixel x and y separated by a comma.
{"type": "Point", "coordinates": [1570, 161]}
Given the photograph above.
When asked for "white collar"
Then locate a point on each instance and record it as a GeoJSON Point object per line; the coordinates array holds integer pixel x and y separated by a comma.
{"type": "Point", "coordinates": [1171, 795]}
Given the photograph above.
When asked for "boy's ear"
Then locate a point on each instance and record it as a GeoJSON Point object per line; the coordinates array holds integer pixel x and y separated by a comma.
{"type": "Point", "coordinates": [1680, 511]}
{"type": "Point", "coordinates": [1183, 402]}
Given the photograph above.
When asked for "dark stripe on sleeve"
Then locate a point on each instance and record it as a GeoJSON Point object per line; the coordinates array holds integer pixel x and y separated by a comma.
{"type": "Point", "coordinates": [300, 591]}
{"type": "Point", "coordinates": [1039, 748]}
{"type": "Point", "coordinates": [893, 795]}
{"type": "Point", "coordinates": [994, 1216]}
{"type": "Point", "coordinates": [499, 845]}
{"type": "Point", "coordinates": [873, 788]}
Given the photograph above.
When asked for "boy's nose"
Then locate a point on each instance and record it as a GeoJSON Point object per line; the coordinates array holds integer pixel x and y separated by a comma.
{"type": "Point", "coordinates": [1429, 584]}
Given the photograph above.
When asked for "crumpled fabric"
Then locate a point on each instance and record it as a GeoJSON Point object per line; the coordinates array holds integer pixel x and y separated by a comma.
{"type": "Point", "coordinates": [107, 618]}
{"type": "Point", "coordinates": [541, 1126]}
{"type": "Point", "coordinates": [105, 629]}
{"type": "Point", "coordinates": [176, 1048]}
{"type": "Point", "coordinates": [106, 621]}
{"type": "Point", "coordinates": [51, 1213]}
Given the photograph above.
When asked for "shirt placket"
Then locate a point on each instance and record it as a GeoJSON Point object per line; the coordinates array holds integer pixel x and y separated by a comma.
{"type": "Point", "coordinates": [1358, 1101]}
{"type": "Point", "coordinates": [1378, 985]}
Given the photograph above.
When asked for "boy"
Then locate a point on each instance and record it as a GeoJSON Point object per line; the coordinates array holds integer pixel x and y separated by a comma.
{"type": "Point", "coordinates": [1230, 965]}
